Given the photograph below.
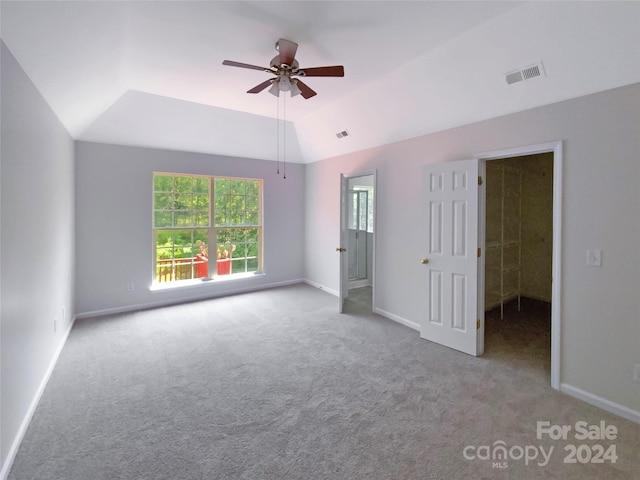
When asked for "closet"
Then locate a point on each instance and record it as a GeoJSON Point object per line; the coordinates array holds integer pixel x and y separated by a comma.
{"type": "Point", "coordinates": [519, 230]}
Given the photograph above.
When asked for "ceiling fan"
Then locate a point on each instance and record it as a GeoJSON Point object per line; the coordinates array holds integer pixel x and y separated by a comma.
{"type": "Point", "coordinates": [284, 66]}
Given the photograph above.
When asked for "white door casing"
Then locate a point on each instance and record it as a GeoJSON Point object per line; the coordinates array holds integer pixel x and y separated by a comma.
{"type": "Point", "coordinates": [344, 259]}
{"type": "Point", "coordinates": [451, 250]}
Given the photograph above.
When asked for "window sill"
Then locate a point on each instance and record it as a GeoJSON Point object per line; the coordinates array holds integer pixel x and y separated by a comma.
{"type": "Point", "coordinates": [184, 284]}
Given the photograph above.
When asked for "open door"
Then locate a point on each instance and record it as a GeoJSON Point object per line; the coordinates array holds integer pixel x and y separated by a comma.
{"type": "Point", "coordinates": [451, 261]}
{"type": "Point", "coordinates": [342, 249]}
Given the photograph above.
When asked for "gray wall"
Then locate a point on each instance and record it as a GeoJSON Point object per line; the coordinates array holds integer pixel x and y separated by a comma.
{"type": "Point", "coordinates": [600, 306]}
{"type": "Point", "coordinates": [37, 245]}
{"type": "Point", "coordinates": [114, 229]}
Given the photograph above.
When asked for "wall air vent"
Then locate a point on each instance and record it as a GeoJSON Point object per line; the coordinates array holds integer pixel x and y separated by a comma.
{"type": "Point", "coordinates": [342, 134]}
{"type": "Point", "coordinates": [527, 73]}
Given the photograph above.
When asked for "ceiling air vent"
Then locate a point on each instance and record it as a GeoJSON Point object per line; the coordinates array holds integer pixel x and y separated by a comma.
{"type": "Point", "coordinates": [527, 73]}
{"type": "Point", "coordinates": [342, 134]}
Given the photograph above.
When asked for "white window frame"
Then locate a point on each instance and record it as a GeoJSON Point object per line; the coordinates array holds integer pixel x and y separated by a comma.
{"type": "Point", "coordinates": [212, 232]}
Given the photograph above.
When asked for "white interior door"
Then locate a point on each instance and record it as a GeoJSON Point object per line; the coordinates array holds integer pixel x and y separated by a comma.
{"type": "Point", "coordinates": [451, 260]}
{"type": "Point", "coordinates": [342, 249]}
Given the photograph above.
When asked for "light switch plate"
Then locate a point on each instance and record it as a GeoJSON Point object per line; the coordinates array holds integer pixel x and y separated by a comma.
{"type": "Point", "coordinates": [594, 258]}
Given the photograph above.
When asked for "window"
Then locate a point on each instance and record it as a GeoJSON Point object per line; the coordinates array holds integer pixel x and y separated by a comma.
{"type": "Point", "coordinates": [183, 230]}
{"type": "Point", "coordinates": [368, 212]}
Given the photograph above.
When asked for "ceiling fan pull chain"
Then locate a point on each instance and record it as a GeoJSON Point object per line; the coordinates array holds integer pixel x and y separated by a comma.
{"type": "Point", "coordinates": [284, 137]}
{"type": "Point", "coordinates": [278, 135]}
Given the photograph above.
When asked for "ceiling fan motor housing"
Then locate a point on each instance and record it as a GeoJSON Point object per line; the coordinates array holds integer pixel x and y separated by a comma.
{"type": "Point", "coordinates": [275, 63]}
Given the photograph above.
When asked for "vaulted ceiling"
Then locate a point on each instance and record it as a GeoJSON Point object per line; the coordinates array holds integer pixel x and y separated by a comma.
{"type": "Point", "coordinates": [151, 74]}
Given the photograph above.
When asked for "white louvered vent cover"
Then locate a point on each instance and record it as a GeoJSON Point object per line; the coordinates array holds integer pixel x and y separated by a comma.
{"type": "Point", "coordinates": [527, 73]}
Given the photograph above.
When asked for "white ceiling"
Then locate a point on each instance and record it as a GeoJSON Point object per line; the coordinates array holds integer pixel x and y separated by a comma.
{"type": "Point", "coordinates": [151, 74]}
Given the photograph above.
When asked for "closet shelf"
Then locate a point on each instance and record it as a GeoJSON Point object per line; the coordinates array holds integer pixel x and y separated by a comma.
{"type": "Point", "coordinates": [506, 295]}
{"type": "Point", "coordinates": [505, 268]}
{"type": "Point", "coordinates": [494, 244]}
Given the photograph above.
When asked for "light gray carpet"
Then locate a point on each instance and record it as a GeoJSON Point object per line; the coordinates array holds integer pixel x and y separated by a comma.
{"type": "Point", "coordinates": [277, 385]}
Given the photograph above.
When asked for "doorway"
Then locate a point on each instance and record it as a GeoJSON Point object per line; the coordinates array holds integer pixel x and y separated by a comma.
{"type": "Point", "coordinates": [552, 154]}
{"type": "Point", "coordinates": [357, 240]}
{"type": "Point", "coordinates": [518, 257]}
{"type": "Point", "coordinates": [454, 276]}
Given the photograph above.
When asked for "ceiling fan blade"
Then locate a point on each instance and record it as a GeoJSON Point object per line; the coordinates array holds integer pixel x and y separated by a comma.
{"type": "Point", "coordinates": [335, 71]}
{"type": "Point", "coordinates": [262, 86]}
{"type": "Point", "coordinates": [287, 51]}
{"type": "Point", "coordinates": [305, 91]}
{"type": "Point", "coordinates": [231, 63]}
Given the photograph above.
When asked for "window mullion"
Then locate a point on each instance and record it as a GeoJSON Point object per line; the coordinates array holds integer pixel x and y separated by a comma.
{"type": "Point", "coordinates": [211, 232]}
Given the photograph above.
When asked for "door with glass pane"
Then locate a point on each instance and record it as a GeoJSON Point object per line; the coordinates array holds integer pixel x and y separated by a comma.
{"type": "Point", "coordinates": [358, 214]}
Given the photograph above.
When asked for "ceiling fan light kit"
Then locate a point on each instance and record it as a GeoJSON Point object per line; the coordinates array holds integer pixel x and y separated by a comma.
{"type": "Point", "coordinates": [285, 85]}
{"type": "Point", "coordinates": [295, 90]}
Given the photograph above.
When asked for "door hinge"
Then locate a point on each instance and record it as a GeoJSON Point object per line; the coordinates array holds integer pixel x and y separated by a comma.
{"type": "Point", "coordinates": [479, 252]}
{"type": "Point", "coordinates": [478, 325]}
{"type": "Point", "coordinates": [479, 180]}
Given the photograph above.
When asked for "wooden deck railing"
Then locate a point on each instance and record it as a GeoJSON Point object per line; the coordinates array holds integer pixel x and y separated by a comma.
{"type": "Point", "coordinates": [170, 270]}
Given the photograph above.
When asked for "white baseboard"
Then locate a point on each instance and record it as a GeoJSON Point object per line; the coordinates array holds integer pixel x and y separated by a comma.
{"type": "Point", "coordinates": [536, 297]}
{"type": "Point", "coordinates": [603, 403]}
{"type": "Point", "coordinates": [333, 292]}
{"type": "Point", "coordinates": [24, 425]}
{"type": "Point", "coordinates": [186, 299]}
{"type": "Point", "coordinates": [490, 306]}
{"type": "Point", "coordinates": [396, 318]}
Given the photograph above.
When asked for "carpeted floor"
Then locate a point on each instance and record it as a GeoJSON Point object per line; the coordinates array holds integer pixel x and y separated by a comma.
{"type": "Point", "coordinates": [521, 337]}
{"type": "Point", "coordinates": [277, 385]}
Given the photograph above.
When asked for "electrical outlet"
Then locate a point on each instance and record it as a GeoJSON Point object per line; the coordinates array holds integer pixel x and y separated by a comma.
{"type": "Point", "coordinates": [636, 372]}
{"type": "Point", "coordinates": [55, 324]}
{"type": "Point", "coordinates": [64, 313]}
{"type": "Point", "coordinates": [130, 287]}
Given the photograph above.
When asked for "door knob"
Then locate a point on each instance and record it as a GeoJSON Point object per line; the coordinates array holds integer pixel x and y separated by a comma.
{"type": "Point", "coordinates": [340, 249]}
{"type": "Point", "coordinates": [424, 261]}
